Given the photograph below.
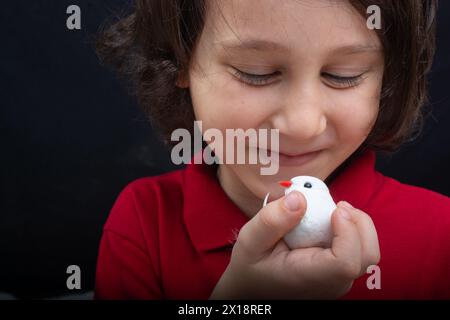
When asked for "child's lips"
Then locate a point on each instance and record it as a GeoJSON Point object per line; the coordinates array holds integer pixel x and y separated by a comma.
{"type": "Point", "coordinates": [296, 160]}
{"type": "Point", "coordinates": [289, 159]}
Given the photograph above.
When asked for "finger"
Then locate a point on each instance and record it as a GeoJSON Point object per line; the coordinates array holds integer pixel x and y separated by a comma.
{"type": "Point", "coordinates": [345, 249]}
{"type": "Point", "coordinates": [280, 247]}
{"type": "Point", "coordinates": [270, 224]}
{"type": "Point", "coordinates": [370, 248]}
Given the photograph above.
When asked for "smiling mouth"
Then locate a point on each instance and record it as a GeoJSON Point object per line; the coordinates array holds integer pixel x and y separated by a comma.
{"type": "Point", "coordinates": [295, 160]}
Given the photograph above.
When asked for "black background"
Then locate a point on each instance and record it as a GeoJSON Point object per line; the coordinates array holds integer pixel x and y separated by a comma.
{"type": "Point", "coordinates": [72, 138]}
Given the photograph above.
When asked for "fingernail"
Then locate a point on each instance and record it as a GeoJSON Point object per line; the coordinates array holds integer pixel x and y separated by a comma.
{"type": "Point", "coordinates": [292, 201]}
{"type": "Point", "coordinates": [343, 211]}
{"type": "Point", "coordinates": [346, 204]}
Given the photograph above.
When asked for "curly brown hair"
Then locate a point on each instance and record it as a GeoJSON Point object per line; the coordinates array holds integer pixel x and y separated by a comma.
{"type": "Point", "coordinates": [154, 43]}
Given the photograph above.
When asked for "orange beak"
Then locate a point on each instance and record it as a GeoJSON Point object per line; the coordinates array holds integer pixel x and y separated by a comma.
{"type": "Point", "coordinates": [285, 183]}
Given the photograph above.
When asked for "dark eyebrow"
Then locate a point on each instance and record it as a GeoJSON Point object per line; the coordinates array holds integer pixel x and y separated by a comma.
{"type": "Point", "coordinates": [267, 45]}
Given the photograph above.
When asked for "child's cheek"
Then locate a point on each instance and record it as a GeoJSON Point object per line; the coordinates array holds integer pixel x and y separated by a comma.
{"type": "Point", "coordinates": [354, 114]}
{"type": "Point", "coordinates": [242, 106]}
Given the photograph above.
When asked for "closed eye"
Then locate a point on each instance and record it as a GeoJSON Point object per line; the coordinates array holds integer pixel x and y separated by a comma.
{"type": "Point", "coordinates": [341, 82]}
{"type": "Point", "coordinates": [335, 81]}
{"type": "Point", "coordinates": [255, 79]}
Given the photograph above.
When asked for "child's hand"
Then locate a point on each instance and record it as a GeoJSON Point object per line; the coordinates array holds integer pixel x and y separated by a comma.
{"type": "Point", "coordinates": [263, 267]}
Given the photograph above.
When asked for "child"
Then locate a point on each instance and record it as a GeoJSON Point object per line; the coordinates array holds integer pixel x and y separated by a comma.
{"type": "Point", "coordinates": [336, 90]}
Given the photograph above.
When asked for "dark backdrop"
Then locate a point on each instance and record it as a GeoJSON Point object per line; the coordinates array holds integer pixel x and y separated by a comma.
{"type": "Point", "coordinates": [71, 139]}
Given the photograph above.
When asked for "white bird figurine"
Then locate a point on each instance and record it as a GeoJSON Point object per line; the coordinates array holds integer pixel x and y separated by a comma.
{"type": "Point", "coordinates": [314, 230]}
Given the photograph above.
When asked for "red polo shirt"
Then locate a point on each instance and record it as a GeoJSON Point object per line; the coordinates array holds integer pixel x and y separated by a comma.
{"type": "Point", "coordinates": [170, 236]}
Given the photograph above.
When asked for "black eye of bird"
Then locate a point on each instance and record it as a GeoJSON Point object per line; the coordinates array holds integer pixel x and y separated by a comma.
{"type": "Point", "coordinates": [307, 185]}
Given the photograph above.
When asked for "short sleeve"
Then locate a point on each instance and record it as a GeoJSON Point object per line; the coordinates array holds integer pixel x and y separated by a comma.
{"type": "Point", "coordinates": [124, 271]}
{"type": "Point", "coordinates": [125, 268]}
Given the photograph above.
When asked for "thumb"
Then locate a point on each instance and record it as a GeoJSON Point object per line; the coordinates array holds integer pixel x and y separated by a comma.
{"type": "Point", "coordinates": [270, 224]}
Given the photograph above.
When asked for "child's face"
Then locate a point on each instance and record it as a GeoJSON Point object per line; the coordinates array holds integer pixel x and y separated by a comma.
{"type": "Point", "coordinates": [321, 84]}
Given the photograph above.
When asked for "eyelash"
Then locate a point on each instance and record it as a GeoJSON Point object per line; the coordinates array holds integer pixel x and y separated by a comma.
{"type": "Point", "coordinates": [264, 79]}
{"type": "Point", "coordinates": [254, 79]}
{"type": "Point", "coordinates": [344, 82]}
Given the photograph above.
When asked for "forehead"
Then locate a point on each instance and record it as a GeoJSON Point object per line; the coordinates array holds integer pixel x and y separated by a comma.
{"type": "Point", "coordinates": [286, 26]}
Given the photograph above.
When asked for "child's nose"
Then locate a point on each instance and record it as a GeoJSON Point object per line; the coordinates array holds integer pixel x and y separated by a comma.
{"type": "Point", "coordinates": [301, 114]}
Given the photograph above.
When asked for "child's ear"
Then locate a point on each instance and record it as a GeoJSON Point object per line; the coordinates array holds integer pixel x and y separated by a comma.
{"type": "Point", "coordinates": [183, 80]}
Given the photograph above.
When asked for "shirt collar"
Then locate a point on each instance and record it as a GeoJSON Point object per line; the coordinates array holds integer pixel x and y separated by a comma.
{"type": "Point", "coordinates": [357, 182]}
{"type": "Point", "coordinates": [213, 220]}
